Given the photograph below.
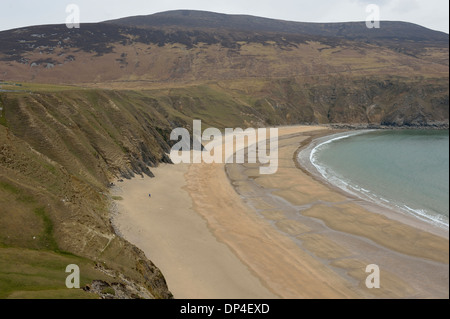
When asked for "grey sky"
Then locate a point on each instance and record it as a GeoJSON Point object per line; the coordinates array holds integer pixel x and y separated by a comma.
{"type": "Point", "coordinates": [433, 14]}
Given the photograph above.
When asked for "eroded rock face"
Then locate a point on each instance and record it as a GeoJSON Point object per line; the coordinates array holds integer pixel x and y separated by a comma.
{"type": "Point", "coordinates": [153, 286]}
{"type": "Point", "coordinates": [115, 290]}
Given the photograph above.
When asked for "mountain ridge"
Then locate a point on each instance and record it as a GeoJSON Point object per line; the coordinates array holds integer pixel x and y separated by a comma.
{"type": "Point", "coordinates": [196, 19]}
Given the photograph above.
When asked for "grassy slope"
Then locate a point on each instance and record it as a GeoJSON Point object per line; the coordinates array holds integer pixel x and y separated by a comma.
{"type": "Point", "coordinates": [175, 63]}
{"type": "Point", "coordinates": [27, 273]}
{"type": "Point", "coordinates": [52, 200]}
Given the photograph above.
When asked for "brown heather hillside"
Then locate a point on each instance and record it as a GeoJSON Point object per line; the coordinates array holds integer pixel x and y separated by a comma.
{"type": "Point", "coordinates": [130, 82]}
{"type": "Point", "coordinates": [185, 46]}
{"type": "Point", "coordinates": [103, 53]}
{"type": "Point", "coordinates": [305, 72]}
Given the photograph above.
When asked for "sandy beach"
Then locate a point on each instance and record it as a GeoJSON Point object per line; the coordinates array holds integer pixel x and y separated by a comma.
{"type": "Point", "coordinates": [225, 231]}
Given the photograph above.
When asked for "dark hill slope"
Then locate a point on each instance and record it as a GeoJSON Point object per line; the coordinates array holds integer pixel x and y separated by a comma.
{"type": "Point", "coordinates": [180, 46]}
{"type": "Point", "coordinates": [403, 36]}
{"type": "Point", "coordinates": [191, 19]}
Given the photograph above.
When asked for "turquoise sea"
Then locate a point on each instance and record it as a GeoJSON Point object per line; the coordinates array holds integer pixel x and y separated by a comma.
{"type": "Point", "coordinates": [407, 170]}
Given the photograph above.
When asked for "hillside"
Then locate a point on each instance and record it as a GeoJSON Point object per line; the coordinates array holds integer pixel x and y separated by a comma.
{"type": "Point", "coordinates": [181, 48]}
{"type": "Point", "coordinates": [189, 46]}
{"type": "Point", "coordinates": [191, 19]}
{"type": "Point", "coordinates": [59, 151]}
{"type": "Point", "coordinates": [83, 108]}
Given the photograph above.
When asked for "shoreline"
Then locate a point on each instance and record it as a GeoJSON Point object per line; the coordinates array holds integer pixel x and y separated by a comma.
{"type": "Point", "coordinates": [288, 234]}
{"type": "Point", "coordinates": [389, 211]}
{"type": "Point", "coordinates": [366, 126]}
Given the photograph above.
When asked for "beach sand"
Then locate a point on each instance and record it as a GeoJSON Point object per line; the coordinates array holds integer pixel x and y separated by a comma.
{"type": "Point", "coordinates": [225, 231]}
{"type": "Point", "coordinates": [194, 262]}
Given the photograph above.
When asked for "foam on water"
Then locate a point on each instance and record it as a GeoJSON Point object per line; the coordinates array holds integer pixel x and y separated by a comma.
{"type": "Point", "coordinates": [336, 179]}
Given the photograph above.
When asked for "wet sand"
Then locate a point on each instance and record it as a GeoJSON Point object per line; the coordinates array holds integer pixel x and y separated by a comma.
{"type": "Point", "coordinates": [225, 231]}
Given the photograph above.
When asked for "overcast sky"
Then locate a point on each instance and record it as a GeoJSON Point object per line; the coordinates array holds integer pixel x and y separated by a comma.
{"type": "Point", "coordinates": [432, 14]}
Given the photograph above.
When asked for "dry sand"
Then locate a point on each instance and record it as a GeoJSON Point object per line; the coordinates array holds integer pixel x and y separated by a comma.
{"type": "Point", "coordinates": [224, 231]}
{"type": "Point", "coordinates": [172, 235]}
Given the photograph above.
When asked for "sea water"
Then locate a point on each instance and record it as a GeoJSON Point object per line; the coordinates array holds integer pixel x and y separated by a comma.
{"type": "Point", "coordinates": [407, 170]}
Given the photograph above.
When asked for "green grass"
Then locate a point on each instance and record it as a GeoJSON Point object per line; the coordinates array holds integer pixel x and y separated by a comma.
{"type": "Point", "coordinates": [37, 87]}
{"type": "Point", "coordinates": [9, 188]}
{"type": "Point", "coordinates": [109, 290]}
{"type": "Point", "coordinates": [117, 197]}
{"type": "Point", "coordinates": [52, 294]}
{"type": "Point", "coordinates": [47, 233]}
{"type": "Point", "coordinates": [26, 273]}
{"type": "Point", "coordinates": [27, 216]}
{"type": "Point", "coordinates": [24, 198]}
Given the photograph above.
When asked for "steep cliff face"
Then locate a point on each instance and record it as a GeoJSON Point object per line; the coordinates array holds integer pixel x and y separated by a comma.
{"type": "Point", "coordinates": [52, 218]}
{"type": "Point", "coordinates": [58, 153]}
{"type": "Point", "coordinates": [390, 101]}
